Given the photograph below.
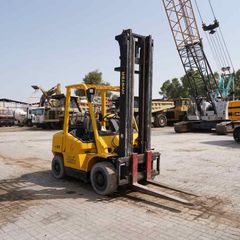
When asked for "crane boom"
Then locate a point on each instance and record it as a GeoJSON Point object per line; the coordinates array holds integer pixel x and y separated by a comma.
{"type": "Point", "coordinates": [189, 45]}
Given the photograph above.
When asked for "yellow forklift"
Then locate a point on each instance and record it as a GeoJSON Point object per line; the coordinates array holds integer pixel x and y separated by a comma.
{"type": "Point", "coordinates": [109, 149]}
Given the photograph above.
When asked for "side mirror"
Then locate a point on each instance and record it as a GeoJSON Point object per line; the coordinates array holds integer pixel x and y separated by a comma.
{"type": "Point", "coordinates": [90, 94]}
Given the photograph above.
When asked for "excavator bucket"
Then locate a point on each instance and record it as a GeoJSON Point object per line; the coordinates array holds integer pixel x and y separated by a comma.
{"type": "Point", "coordinates": [35, 87]}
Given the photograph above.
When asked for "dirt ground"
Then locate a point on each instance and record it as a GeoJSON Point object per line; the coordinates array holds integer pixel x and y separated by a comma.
{"type": "Point", "coordinates": [203, 167]}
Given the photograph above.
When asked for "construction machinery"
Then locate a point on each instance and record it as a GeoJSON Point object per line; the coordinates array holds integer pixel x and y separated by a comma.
{"type": "Point", "coordinates": [233, 111]}
{"type": "Point", "coordinates": [236, 131]}
{"type": "Point", "coordinates": [226, 84]}
{"type": "Point", "coordinates": [159, 118]}
{"type": "Point", "coordinates": [179, 112]}
{"type": "Point", "coordinates": [166, 112]}
{"type": "Point", "coordinates": [207, 109]}
{"type": "Point", "coordinates": [21, 117]}
{"type": "Point", "coordinates": [50, 112]}
{"type": "Point", "coordinates": [46, 95]}
{"type": "Point", "coordinates": [109, 149]}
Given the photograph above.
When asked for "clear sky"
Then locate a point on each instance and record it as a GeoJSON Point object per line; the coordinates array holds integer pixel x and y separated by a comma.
{"type": "Point", "coordinates": [44, 42]}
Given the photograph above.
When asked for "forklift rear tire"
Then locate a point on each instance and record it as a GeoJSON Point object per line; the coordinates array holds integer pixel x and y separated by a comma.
{"type": "Point", "coordinates": [104, 178]}
{"type": "Point", "coordinates": [236, 134]}
{"type": "Point", "coordinates": [58, 170]}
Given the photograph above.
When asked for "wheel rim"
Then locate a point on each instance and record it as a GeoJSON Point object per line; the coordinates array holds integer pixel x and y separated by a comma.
{"type": "Point", "coordinates": [161, 121]}
{"type": "Point", "coordinates": [57, 168]}
{"type": "Point", "coordinates": [100, 180]}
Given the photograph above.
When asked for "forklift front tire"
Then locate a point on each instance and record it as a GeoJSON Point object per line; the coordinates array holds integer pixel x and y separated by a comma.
{"type": "Point", "coordinates": [58, 170]}
{"type": "Point", "coordinates": [104, 178]}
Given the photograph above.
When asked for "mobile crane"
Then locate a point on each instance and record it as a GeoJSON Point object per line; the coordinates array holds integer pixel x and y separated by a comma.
{"type": "Point", "coordinates": [109, 149]}
{"type": "Point", "coordinates": [211, 108]}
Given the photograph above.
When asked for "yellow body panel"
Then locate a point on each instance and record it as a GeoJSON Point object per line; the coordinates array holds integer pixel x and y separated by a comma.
{"type": "Point", "coordinates": [57, 146]}
{"type": "Point", "coordinates": [234, 110]}
{"type": "Point", "coordinates": [80, 155]}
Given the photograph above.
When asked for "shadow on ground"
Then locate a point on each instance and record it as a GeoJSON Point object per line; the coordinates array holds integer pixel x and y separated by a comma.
{"type": "Point", "coordinates": [42, 185]}
{"type": "Point", "coordinates": [223, 143]}
{"type": "Point", "coordinates": [16, 195]}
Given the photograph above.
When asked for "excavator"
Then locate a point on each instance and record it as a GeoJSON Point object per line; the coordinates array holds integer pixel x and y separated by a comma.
{"type": "Point", "coordinates": [50, 112]}
{"type": "Point", "coordinates": [109, 149]}
{"type": "Point", "coordinates": [46, 115]}
{"type": "Point", "coordinates": [46, 95]}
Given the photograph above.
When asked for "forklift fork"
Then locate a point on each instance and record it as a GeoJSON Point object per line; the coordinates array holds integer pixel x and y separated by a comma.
{"type": "Point", "coordinates": [145, 188]}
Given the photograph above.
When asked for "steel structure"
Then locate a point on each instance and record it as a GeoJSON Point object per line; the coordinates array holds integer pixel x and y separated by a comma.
{"type": "Point", "coordinates": [226, 85]}
{"type": "Point", "coordinates": [189, 45]}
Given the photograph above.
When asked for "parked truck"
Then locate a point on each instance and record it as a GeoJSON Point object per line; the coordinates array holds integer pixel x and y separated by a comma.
{"type": "Point", "coordinates": [158, 116]}
{"type": "Point", "coordinates": [166, 111]}
{"type": "Point", "coordinates": [178, 112]}
{"type": "Point", "coordinates": [6, 117]}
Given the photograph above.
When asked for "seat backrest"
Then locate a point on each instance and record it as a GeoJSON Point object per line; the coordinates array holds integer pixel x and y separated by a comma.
{"type": "Point", "coordinates": [114, 125]}
{"type": "Point", "coordinates": [87, 123]}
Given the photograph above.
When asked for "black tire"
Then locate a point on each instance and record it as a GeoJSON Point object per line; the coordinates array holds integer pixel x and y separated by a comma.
{"type": "Point", "coordinates": [53, 126]}
{"type": "Point", "coordinates": [104, 178]}
{"type": "Point", "coordinates": [61, 125]}
{"type": "Point", "coordinates": [20, 124]}
{"type": "Point", "coordinates": [45, 126]}
{"type": "Point", "coordinates": [182, 127]}
{"type": "Point", "coordinates": [29, 123]}
{"type": "Point", "coordinates": [160, 120]}
{"type": "Point", "coordinates": [236, 134]}
{"type": "Point", "coordinates": [58, 169]}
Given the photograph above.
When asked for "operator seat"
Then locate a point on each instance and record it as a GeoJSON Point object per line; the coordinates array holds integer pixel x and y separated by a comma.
{"type": "Point", "coordinates": [87, 124]}
{"type": "Point", "coordinates": [114, 125]}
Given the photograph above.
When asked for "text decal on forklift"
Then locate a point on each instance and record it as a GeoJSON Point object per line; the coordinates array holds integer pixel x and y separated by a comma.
{"type": "Point", "coordinates": [123, 79]}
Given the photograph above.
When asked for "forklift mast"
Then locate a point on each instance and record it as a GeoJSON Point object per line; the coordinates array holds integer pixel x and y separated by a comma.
{"type": "Point", "coordinates": [136, 59]}
{"type": "Point", "coordinates": [136, 53]}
